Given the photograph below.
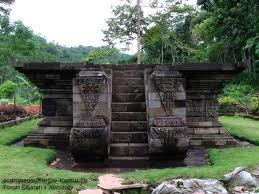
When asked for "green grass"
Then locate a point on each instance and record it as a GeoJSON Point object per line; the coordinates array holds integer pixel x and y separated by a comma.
{"type": "Point", "coordinates": [9, 135]}
{"type": "Point", "coordinates": [223, 161]}
{"type": "Point", "coordinates": [27, 162]}
{"type": "Point", "coordinates": [242, 128]}
{"type": "Point", "coordinates": [32, 162]}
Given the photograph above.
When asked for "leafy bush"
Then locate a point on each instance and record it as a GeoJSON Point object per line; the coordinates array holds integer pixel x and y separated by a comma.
{"type": "Point", "coordinates": [33, 110]}
{"type": "Point", "coordinates": [255, 104]}
{"type": "Point", "coordinates": [229, 105]}
{"type": "Point", "coordinates": [4, 101]}
{"type": "Point", "coordinates": [240, 93]}
{"type": "Point", "coordinates": [9, 112]}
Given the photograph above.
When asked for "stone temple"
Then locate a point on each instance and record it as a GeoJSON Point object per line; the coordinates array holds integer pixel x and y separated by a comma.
{"type": "Point", "coordinates": [129, 113]}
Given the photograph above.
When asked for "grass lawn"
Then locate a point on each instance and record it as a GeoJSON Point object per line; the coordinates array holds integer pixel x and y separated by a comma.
{"type": "Point", "coordinates": [32, 163]}
{"type": "Point", "coordinates": [242, 128]}
{"type": "Point", "coordinates": [27, 162]}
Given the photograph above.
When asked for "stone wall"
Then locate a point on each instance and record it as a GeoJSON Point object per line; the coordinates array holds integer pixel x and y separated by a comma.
{"type": "Point", "coordinates": [181, 103]}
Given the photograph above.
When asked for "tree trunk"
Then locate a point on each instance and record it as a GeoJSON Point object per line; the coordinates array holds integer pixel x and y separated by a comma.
{"type": "Point", "coordinates": [138, 31]}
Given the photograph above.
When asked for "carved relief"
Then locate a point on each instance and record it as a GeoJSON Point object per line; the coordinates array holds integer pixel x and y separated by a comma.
{"type": "Point", "coordinates": [168, 135]}
{"type": "Point", "coordinates": [90, 89]}
{"type": "Point", "coordinates": [89, 140]}
{"type": "Point", "coordinates": [168, 88]}
{"type": "Point", "coordinates": [196, 108]}
{"type": "Point", "coordinates": [169, 122]}
{"type": "Point", "coordinates": [90, 123]}
{"type": "Point", "coordinates": [212, 108]}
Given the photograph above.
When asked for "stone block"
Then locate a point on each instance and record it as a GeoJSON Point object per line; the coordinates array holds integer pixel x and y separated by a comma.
{"type": "Point", "coordinates": [179, 111]}
{"type": "Point", "coordinates": [180, 96]}
{"type": "Point", "coordinates": [89, 141]}
{"type": "Point", "coordinates": [154, 104]}
{"type": "Point", "coordinates": [128, 116]}
{"type": "Point", "coordinates": [212, 130]}
{"type": "Point", "coordinates": [153, 96]}
{"type": "Point", "coordinates": [195, 142]}
{"type": "Point", "coordinates": [120, 137]}
{"type": "Point", "coordinates": [127, 126]}
{"type": "Point", "coordinates": [138, 137]}
{"type": "Point", "coordinates": [157, 112]}
{"type": "Point", "coordinates": [49, 107]}
{"type": "Point", "coordinates": [128, 81]}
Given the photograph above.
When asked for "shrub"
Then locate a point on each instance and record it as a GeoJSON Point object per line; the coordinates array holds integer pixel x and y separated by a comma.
{"type": "Point", "coordinates": [9, 112]}
{"type": "Point", "coordinates": [241, 93]}
{"type": "Point", "coordinates": [229, 105]}
{"type": "Point", "coordinates": [33, 110]}
{"type": "Point", "coordinates": [255, 104]}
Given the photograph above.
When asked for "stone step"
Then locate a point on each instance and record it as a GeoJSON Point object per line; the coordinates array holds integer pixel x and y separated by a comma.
{"type": "Point", "coordinates": [123, 67]}
{"type": "Point", "coordinates": [129, 149]}
{"type": "Point", "coordinates": [129, 137]}
{"type": "Point", "coordinates": [128, 97]}
{"type": "Point", "coordinates": [128, 88]}
{"type": "Point", "coordinates": [128, 126]}
{"type": "Point", "coordinates": [127, 81]}
{"type": "Point", "coordinates": [129, 107]}
{"type": "Point", "coordinates": [128, 74]}
{"type": "Point", "coordinates": [129, 161]}
{"type": "Point", "coordinates": [129, 116]}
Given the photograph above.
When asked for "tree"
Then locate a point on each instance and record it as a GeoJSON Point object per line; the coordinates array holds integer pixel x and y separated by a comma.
{"type": "Point", "coordinates": [27, 90]}
{"type": "Point", "coordinates": [127, 24]}
{"type": "Point", "coordinates": [98, 54]}
{"type": "Point", "coordinates": [3, 4]}
{"type": "Point", "coordinates": [8, 90]}
{"type": "Point", "coordinates": [169, 38]}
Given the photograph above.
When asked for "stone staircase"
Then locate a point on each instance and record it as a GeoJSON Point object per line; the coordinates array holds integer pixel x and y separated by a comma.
{"type": "Point", "coordinates": [129, 135]}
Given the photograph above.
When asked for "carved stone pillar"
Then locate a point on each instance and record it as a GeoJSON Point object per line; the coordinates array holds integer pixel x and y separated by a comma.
{"type": "Point", "coordinates": [166, 98]}
{"type": "Point", "coordinates": [91, 114]}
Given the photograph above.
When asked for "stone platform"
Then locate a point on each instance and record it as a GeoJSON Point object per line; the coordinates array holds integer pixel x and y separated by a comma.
{"type": "Point", "coordinates": [129, 113]}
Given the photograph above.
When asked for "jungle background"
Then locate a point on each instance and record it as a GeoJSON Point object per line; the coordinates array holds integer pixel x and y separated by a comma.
{"type": "Point", "coordinates": [216, 31]}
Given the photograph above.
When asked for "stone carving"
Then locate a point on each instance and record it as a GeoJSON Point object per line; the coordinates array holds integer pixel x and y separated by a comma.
{"type": "Point", "coordinates": [98, 122]}
{"type": "Point", "coordinates": [90, 142]}
{"type": "Point", "coordinates": [196, 108]}
{"type": "Point", "coordinates": [169, 122]}
{"type": "Point", "coordinates": [89, 135]}
{"type": "Point", "coordinates": [90, 89]}
{"type": "Point", "coordinates": [168, 135]}
{"type": "Point", "coordinates": [212, 108]}
{"type": "Point", "coordinates": [168, 88]}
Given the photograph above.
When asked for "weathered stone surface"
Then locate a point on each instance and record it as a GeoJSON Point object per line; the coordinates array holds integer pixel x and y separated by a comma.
{"type": "Point", "coordinates": [130, 102]}
{"type": "Point", "coordinates": [127, 126]}
{"type": "Point", "coordinates": [128, 97]}
{"type": "Point", "coordinates": [89, 142]}
{"type": "Point", "coordinates": [128, 116]}
{"type": "Point", "coordinates": [129, 107]}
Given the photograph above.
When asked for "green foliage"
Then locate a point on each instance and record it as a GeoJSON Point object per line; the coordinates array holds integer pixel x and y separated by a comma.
{"type": "Point", "coordinates": [8, 89]}
{"type": "Point", "coordinates": [229, 105]}
{"type": "Point", "coordinates": [255, 104]}
{"type": "Point", "coordinates": [3, 9]}
{"type": "Point", "coordinates": [98, 54]}
{"type": "Point", "coordinates": [122, 27]}
{"type": "Point", "coordinates": [238, 92]}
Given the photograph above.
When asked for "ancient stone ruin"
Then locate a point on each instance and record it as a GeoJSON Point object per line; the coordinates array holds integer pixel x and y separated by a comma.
{"type": "Point", "coordinates": [129, 112]}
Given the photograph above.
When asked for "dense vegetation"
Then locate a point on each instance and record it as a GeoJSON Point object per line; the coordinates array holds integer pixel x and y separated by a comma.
{"type": "Point", "coordinates": [217, 31]}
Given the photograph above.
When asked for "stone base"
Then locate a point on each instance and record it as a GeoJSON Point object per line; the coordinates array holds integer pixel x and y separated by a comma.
{"type": "Point", "coordinates": [57, 137]}
{"type": "Point", "coordinates": [89, 143]}
{"type": "Point", "coordinates": [212, 140]}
